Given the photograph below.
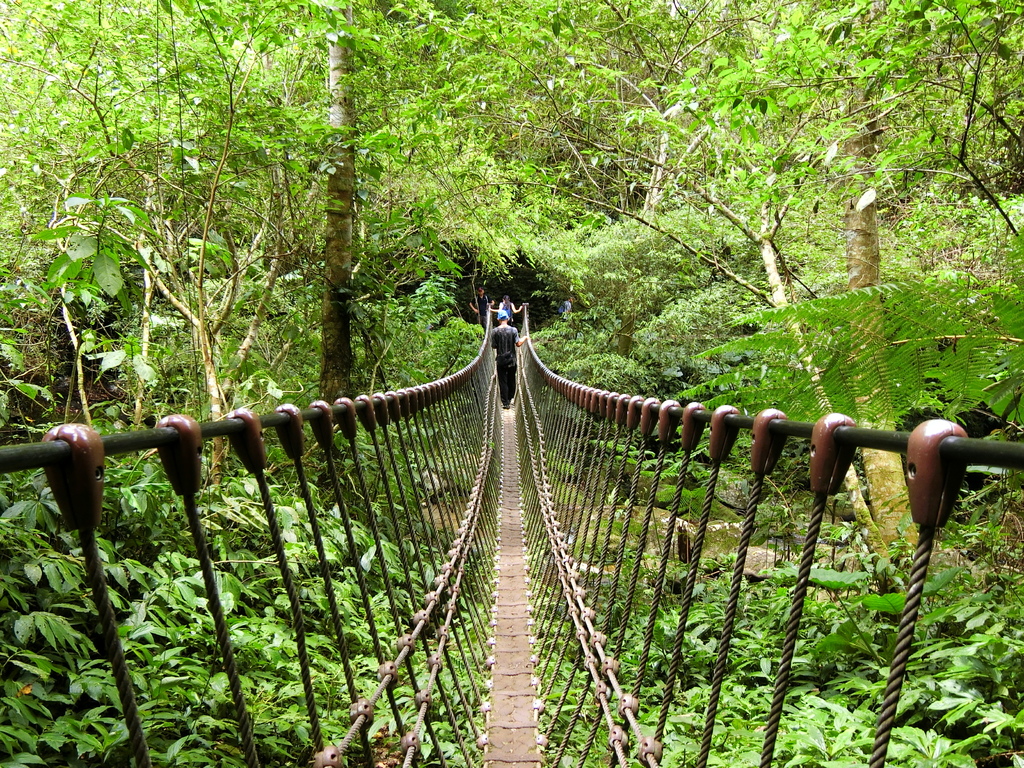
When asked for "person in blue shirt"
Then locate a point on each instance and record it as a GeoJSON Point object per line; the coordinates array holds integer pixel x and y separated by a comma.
{"type": "Point", "coordinates": [508, 306]}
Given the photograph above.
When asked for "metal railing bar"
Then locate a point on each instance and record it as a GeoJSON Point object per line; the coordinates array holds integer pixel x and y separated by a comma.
{"type": "Point", "coordinates": [16, 458]}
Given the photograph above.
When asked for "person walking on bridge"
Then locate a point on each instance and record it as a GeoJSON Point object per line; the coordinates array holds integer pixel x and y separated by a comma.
{"type": "Point", "coordinates": [508, 306]}
{"type": "Point", "coordinates": [482, 305]}
{"type": "Point", "coordinates": [505, 340]}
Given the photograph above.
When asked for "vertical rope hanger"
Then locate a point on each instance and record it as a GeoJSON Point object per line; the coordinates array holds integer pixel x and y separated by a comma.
{"type": "Point", "coordinates": [292, 440]}
{"type": "Point", "coordinates": [77, 485]}
{"type": "Point", "coordinates": [251, 451]}
{"type": "Point", "coordinates": [398, 403]}
{"type": "Point", "coordinates": [690, 437]}
{"type": "Point", "coordinates": [183, 467]}
{"type": "Point", "coordinates": [720, 443]}
{"type": "Point", "coordinates": [377, 416]}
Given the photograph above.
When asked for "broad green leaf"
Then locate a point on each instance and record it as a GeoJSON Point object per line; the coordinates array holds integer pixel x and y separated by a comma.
{"type": "Point", "coordinates": [833, 644]}
{"type": "Point", "coordinates": [76, 202]}
{"type": "Point", "coordinates": [143, 370]}
{"type": "Point", "coordinates": [33, 390]}
{"type": "Point", "coordinates": [938, 582]}
{"type": "Point", "coordinates": [110, 359]}
{"type": "Point", "coordinates": [891, 603]}
{"type": "Point", "coordinates": [33, 572]}
{"type": "Point", "coordinates": [23, 759]}
{"type": "Point", "coordinates": [107, 273]}
{"type": "Point", "coordinates": [57, 232]}
{"type": "Point", "coordinates": [175, 748]}
{"type": "Point", "coordinates": [219, 682]}
{"type": "Point", "coordinates": [837, 580]}
{"type": "Point", "coordinates": [82, 246]}
{"type": "Point", "coordinates": [24, 629]}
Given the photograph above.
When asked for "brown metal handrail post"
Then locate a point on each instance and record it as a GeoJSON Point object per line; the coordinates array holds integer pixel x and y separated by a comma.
{"type": "Point", "coordinates": [933, 485]}
{"type": "Point", "coordinates": [829, 462]}
{"type": "Point", "coordinates": [77, 485]}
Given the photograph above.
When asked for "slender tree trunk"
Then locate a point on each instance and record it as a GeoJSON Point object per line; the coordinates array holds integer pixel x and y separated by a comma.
{"type": "Point", "coordinates": [625, 336]}
{"type": "Point", "coordinates": [770, 256]}
{"type": "Point", "coordinates": [659, 177]}
{"type": "Point", "coordinates": [140, 382]}
{"type": "Point", "coordinates": [883, 471]}
{"type": "Point", "coordinates": [339, 244]}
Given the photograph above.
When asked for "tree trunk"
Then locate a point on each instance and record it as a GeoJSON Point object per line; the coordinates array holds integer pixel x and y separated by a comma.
{"type": "Point", "coordinates": [770, 255]}
{"type": "Point", "coordinates": [624, 344]}
{"type": "Point", "coordinates": [883, 471]}
{"type": "Point", "coordinates": [339, 244]}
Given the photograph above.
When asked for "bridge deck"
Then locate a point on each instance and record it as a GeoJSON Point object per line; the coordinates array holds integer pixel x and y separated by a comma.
{"type": "Point", "coordinates": [512, 723]}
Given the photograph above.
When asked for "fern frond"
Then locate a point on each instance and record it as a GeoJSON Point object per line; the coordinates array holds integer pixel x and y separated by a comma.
{"type": "Point", "coordinates": [875, 353]}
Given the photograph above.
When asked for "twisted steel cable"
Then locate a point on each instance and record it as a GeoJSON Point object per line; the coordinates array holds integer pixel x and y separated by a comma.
{"type": "Point", "coordinates": [298, 621]}
{"type": "Point", "coordinates": [904, 641]}
{"type": "Point", "coordinates": [659, 582]}
{"type": "Point", "coordinates": [641, 547]}
{"type": "Point", "coordinates": [115, 651]}
{"type": "Point", "coordinates": [684, 614]}
{"type": "Point", "coordinates": [591, 642]}
{"type": "Point", "coordinates": [796, 611]}
{"type": "Point", "coordinates": [449, 580]}
{"type": "Point", "coordinates": [220, 628]}
{"type": "Point", "coordinates": [364, 592]}
{"type": "Point", "coordinates": [725, 639]}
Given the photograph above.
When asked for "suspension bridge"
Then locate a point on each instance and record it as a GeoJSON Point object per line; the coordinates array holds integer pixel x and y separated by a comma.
{"type": "Point", "coordinates": [525, 540]}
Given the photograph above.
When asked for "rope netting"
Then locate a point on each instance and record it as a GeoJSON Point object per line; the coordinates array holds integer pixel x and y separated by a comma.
{"type": "Point", "coordinates": [416, 476]}
{"type": "Point", "coordinates": [417, 470]}
{"type": "Point", "coordinates": [594, 463]}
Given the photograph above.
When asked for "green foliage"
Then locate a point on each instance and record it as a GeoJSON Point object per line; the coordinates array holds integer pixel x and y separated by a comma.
{"type": "Point", "coordinates": [58, 702]}
{"type": "Point", "coordinates": [935, 346]}
{"type": "Point", "coordinates": [960, 700]}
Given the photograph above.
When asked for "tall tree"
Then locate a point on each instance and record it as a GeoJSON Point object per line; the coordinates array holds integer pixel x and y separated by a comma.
{"type": "Point", "coordinates": [339, 242]}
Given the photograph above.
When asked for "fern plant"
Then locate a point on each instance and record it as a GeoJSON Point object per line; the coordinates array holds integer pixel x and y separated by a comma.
{"type": "Point", "coordinates": [881, 353]}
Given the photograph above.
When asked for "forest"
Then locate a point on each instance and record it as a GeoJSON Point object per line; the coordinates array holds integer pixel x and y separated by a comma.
{"type": "Point", "coordinates": [209, 204]}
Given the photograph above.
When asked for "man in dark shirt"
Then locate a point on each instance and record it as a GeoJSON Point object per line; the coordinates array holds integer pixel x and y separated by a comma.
{"type": "Point", "coordinates": [505, 340]}
{"type": "Point", "coordinates": [481, 305]}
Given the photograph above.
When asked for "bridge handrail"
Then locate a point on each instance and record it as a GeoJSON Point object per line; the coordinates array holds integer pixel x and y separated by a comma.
{"type": "Point", "coordinates": [993, 453]}
{"type": "Point", "coordinates": [938, 453]}
{"type": "Point", "coordinates": [35, 455]}
{"type": "Point", "coordinates": [73, 456]}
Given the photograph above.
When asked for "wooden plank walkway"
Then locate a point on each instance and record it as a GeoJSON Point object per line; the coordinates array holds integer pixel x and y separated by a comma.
{"type": "Point", "coordinates": [512, 722]}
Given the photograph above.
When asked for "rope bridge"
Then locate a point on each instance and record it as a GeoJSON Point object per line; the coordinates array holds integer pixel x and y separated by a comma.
{"type": "Point", "coordinates": [524, 541]}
